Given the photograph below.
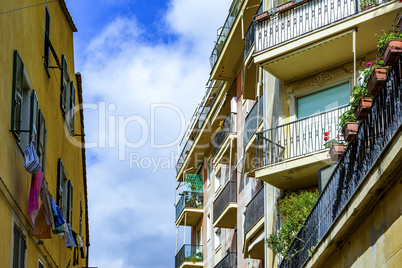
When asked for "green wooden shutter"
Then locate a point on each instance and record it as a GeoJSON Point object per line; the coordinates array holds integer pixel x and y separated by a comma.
{"type": "Point", "coordinates": [47, 38]}
{"type": "Point", "coordinates": [72, 107]}
{"type": "Point", "coordinates": [42, 136]}
{"type": "Point", "coordinates": [64, 85]}
{"type": "Point", "coordinates": [60, 178]}
{"type": "Point", "coordinates": [18, 83]}
{"type": "Point", "coordinates": [70, 202]}
{"type": "Point", "coordinates": [33, 126]}
{"type": "Point", "coordinates": [323, 101]}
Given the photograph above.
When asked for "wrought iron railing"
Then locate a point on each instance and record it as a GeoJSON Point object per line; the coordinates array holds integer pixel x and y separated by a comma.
{"type": "Point", "coordinates": [254, 210]}
{"type": "Point", "coordinates": [198, 119]}
{"type": "Point", "coordinates": [302, 18]}
{"type": "Point", "coordinates": [188, 253]}
{"type": "Point", "coordinates": [229, 261]}
{"type": "Point", "coordinates": [228, 126]}
{"type": "Point", "coordinates": [298, 138]}
{"type": "Point", "coordinates": [189, 200]}
{"type": "Point", "coordinates": [249, 38]}
{"type": "Point", "coordinates": [226, 196]}
{"type": "Point", "coordinates": [373, 135]}
{"type": "Point", "coordinates": [253, 119]}
{"type": "Point", "coordinates": [223, 32]}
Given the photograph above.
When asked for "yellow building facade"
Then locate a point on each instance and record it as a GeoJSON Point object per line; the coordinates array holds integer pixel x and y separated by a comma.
{"type": "Point", "coordinates": [39, 92]}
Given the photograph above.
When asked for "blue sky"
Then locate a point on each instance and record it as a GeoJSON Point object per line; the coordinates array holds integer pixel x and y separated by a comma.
{"type": "Point", "coordinates": [144, 66]}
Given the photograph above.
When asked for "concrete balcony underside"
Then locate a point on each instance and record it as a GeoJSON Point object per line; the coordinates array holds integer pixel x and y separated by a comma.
{"type": "Point", "coordinates": [328, 46]}
{"type": "Point", "coordinates": [228, 217]}
{"type": "Point", "coordinates": [294, 173]}
{"type": "Point", "coordinates": [254, 241]}
{"type": "Point", "coordinates": [231, 57]}
{"type": "Point", "coordinates": [189, 216]}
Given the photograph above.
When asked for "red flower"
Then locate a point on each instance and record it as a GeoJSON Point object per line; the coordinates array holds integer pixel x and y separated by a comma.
{"type": "Point", "coordinates": [327, 133]}
{"type": "Point", "coordinates": [338, 136]}
{"type": "Point", "coordinates": [326, 138]}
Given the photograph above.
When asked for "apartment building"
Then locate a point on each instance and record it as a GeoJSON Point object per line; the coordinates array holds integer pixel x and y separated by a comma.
{"type": "Point", "coordinates": [39, 92]}
{"type": "Point", "coordinates": [281, 76]}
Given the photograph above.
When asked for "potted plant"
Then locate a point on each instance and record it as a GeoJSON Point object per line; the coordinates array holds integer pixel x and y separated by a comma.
{"type": "Point", "coordinates": [390, 45]}
{"type": "Point", "coordinates": [374, 77]}
{"type": "Point", "coordinates": [263, 16]}
{"type": "Point", "coordinates": [349, 125]}
{"type": "Point", "coordinates": [301, 2]}
{"type": "Point", "coordinates": [360, 102]}
{"type": "Point", "coordinates": [367, 4]}
{"type": "Point", "coordinates": [285, 6]}
{"type": "Point", "coordinates": [336, 147]}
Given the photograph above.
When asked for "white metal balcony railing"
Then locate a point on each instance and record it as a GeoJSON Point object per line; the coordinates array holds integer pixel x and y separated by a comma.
{"type": "Point", "coordinates": [304, 17]}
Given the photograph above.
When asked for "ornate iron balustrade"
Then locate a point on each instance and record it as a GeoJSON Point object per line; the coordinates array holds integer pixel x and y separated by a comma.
{"type": "Point", "coordinates": [298, 138]}
{"type": "Point", "coordinates": [188, 253]}
{"type": "Point", "coordinates": [303, 18]}
{"type": "Point", "coordinates": [253, 119]}
{"type": "Point", "coordinates": [189, 200]}
{"type": "Point", "coordinates": [374, 133]}
{"type": "Point", "coordinates": [198, 119]}
{"type": "Point", "coordinates": [224, 32]}
{"type": "Point", "coordinates": [226, 196]}
{"type": "Point", "coordinates": [228, 127]}
{"type": "Point", "coordinates": [254, 210]}
{"type": "Point", "coordinates": [229, 261]}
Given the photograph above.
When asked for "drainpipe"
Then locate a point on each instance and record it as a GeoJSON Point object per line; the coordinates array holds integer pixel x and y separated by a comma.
{"type": "Point", "coordinates": [354, 57]}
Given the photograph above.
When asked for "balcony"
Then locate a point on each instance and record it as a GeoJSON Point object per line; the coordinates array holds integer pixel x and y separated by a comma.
{"type": "Point", "coordinates": [290, 155]}
{"type": "Point", "coordinates": [310, 29]}
{"type": "Point", "coordinates": [254, 227]}
{"type": "Point", "coordinates": [229, 261]}
{"type": "Point", "coordinates": [368, 168]}
{"type": "Point", "coordinates": [189, 257]}
{"type": "Point", "coordinates": [189, 209]}
{"type": "Point", "coordinates": [225, 205]}
{"type": "Point", "coordinates": [252, 124]}
{"type": "Point", "coordinates": [224, 148]}
{"type": "Point", "coordinates": [196, 125]}
{"type": "Point", "coordinates": [227, 54]}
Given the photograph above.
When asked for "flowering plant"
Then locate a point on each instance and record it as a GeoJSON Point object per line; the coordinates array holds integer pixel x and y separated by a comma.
{"type": "Point", "coordinates": [330, 142]}
{"type": "Point", "coordinates": [369, 70]}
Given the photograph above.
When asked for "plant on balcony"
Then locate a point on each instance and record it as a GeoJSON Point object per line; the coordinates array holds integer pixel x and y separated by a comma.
{"type": "Point", "coordinates": [335, 145]}
{"type": "Point", "coordinates": [360, 102]}
{"type": "Point", "coordinates": [294, 209]}
{"type": "Point", "coordinates": [367, 4]}
{"type": "Point", "coordinates": [285, 6]}
{"type": "Point", "coordinates": [193, 259]}
{"type": "Point", "coordinates": [390, 45]}
{"type": "Point", "coordinates": [349, 125]}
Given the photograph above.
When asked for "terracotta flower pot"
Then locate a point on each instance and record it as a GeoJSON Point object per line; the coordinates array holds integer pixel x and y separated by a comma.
{"type": "Point", "coordinates": [285, 7]}
{"type": "Point", "coordinates": [263, 16]}
{"type": "Point", "coordinates": [350, 131]}
{"type": "Point", "coordinates": [392, 52]}
{"type": "Point", "coordinates": [376, 81]}
{"type": "Point", "coordinates": [364, 108]}
{"type": "Point", "coordinates": [336, 151]}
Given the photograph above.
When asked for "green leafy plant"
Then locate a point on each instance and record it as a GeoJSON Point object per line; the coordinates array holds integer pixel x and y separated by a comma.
{"type": "Point", "coordinates": [358, 92]}
{"type": "Point", "coordinates": [294, 209]}
{"type": "Point", "coordinates": [366, 3]}
{"type": "Point", "coordinates": [369, 70]}
{"type": "Point", "coordinates": [383, 39]}
{"type": "Point", "coordinates": [193, 259]}
{"type": "Point", "coordinates": [348, 116]}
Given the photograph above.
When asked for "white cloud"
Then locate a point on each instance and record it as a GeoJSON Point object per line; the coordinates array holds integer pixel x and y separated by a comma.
{"type": "Point", "coordinates": [131, 210]}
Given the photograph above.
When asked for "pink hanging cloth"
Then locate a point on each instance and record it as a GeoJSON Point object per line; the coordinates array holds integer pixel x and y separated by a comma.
{"type": "Point", "coordinates": [33, 201]}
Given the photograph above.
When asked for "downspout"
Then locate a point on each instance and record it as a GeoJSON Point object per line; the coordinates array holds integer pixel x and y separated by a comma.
{"type": "Point", "coordinates": [354, 57]}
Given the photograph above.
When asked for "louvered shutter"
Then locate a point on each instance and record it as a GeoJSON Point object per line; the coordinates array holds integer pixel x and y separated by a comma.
{"type": "Point", "coordinates": [18, 83]}
{"type": "Point", "coordinates": [33, 126]}
{"type": "Point", "coordinates": [42, 136]}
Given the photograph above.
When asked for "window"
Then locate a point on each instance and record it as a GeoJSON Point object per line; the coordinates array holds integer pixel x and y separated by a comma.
{"type": "Point", "coordinates": [40, 264]}
{"type": "Point", "coordinates": [25, 113]}
{"type": "Point", "coordinates": [80, 227]}
{"type": "Point", "coordinates": [19, 249]}
{"type": "Point", "coordinates": [67, 97]}
{"type": "Point", "coordinates": [46, 52]}
{"type": "Point", "coordinates": [64, 193]}
{"type": "Point", "coordinates": [324, 100]}
{"type": "Point", "coordinates": [217, 238]}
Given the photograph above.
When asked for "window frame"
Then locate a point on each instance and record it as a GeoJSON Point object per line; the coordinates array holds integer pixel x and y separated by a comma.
{"type": "Point", "coordinates": [22, 256]}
